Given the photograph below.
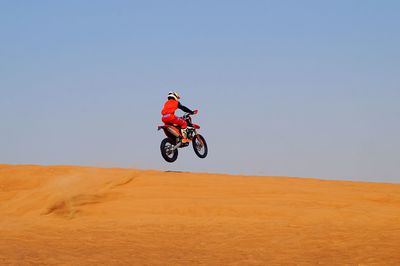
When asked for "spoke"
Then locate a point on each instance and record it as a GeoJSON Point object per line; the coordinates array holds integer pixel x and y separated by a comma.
{"type": "Point", "coordinates": [168, 150]}
{"type": "Point", "coordinates": [199, 146]}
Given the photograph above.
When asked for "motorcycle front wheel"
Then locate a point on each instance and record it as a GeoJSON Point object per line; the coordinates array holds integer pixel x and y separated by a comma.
{"type": "Point", "coordinates": [200, 146]}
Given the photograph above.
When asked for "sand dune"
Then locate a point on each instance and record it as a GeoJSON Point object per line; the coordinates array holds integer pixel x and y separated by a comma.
{"type": "Point", "coordinates": [90, 216]}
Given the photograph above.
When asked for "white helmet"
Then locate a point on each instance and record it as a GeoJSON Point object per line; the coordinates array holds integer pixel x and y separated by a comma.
{"type": "Point", "coordinates": [174, 95]}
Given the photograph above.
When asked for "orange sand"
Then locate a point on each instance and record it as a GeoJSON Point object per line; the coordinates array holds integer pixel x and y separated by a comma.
{"type": "Point", "coordinates": [90, 216]}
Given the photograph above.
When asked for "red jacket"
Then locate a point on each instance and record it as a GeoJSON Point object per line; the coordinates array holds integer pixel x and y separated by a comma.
{"type": "Point", "coordinates": [171, 105]}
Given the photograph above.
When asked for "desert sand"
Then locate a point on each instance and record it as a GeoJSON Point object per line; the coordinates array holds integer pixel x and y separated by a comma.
{"type": "Point", "coordinates": [68, 215]}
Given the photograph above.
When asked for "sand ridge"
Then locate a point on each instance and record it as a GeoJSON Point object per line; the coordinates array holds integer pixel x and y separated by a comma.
{"type": "Point", "coordinates": [52, 215]}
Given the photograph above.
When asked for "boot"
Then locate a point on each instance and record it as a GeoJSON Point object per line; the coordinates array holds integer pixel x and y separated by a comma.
{"type": "Point", "coordinates": [184, 135]}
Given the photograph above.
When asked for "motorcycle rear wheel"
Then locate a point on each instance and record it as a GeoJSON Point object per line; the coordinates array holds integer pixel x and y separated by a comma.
{"type": "Point", "coordinates": [166, 150]}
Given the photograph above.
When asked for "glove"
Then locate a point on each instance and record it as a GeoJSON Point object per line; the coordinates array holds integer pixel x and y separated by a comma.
{"type": "Point", "coordinates": [195, 112]}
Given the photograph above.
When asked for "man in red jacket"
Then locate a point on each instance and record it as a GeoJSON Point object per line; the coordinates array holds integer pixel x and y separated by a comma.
{"type": "Point", "coordinates": [168, 113]}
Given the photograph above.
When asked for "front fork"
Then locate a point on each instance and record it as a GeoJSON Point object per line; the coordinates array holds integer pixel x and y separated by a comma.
{"type": "Point", "coordinates": [199, 139]}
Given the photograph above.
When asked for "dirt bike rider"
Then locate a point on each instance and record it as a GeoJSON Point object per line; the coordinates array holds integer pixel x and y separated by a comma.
{"type": "Point", "coordinates": [168, 113]}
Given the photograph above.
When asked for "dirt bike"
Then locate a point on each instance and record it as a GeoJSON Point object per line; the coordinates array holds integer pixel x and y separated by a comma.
{"type": "Point", "coordinates": [169, 146]}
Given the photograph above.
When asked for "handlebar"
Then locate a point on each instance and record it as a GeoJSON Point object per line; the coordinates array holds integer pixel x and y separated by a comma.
{"type": "Point", "coordinates": [187, 114]}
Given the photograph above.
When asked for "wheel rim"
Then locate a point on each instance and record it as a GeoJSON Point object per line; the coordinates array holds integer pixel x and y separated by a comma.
{"type": "Point", "coordinates": [199, 146]}
{"type": "Point", "coordinates": [168, 150]}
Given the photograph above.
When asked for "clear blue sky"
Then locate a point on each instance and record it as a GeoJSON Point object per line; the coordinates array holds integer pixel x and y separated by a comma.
{"type": "Point", "coordinates": [298, 88]}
